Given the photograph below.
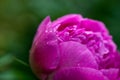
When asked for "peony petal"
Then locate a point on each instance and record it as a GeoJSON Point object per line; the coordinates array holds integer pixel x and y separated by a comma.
{"type": "Point", "coordinates": [44, 52]}
{"type": "Point", "coordinates": [117, 59]}
{"type": "Point", "coordinates": [119, 78]}
{"type": "Point", "coordinates": [79, 73]}
{"type": "Point", "coordinates": [44, 24]}
{"type": "Point", "coordinates": [111, 45]}
{"type": "Point", "coordinates": [41, 29]}
{"type": "Point", "coordinates": [95, 26]}
{"type": "Point", "coordinates": [76, 54]}
{"type": "Point", "coordinates": [112, 60]}
{"type": "Point", "coordinates": [44, 56]}
{"type": "Point", "coordinates": [111, 74]}
{"type": "Point", "coordinates": [67, 20]}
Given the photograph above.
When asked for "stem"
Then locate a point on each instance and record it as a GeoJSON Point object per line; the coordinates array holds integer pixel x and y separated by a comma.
{"type": "Point", "coordinates": [20, 61]}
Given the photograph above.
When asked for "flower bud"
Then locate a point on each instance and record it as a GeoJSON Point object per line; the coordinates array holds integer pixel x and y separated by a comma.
{"type": "Point", "coordinates": [74, 48]}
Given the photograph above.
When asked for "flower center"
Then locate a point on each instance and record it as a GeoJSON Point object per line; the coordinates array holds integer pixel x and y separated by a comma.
{"type": "Point", "coordinates": [93, 40]}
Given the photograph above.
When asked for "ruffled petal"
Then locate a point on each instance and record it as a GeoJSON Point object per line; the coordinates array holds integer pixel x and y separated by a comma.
{"type": "Point", "coordinates": [67, 20]}
{"type": "Point", "coordinates": [95, 26]}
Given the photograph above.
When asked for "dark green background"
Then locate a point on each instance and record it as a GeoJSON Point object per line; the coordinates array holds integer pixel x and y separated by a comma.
{"type": "Point", "coordinates": [19, 20]}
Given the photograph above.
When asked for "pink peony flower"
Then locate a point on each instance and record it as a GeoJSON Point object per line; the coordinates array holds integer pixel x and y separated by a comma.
{"type": "Point", "coordinates": [74, 48]}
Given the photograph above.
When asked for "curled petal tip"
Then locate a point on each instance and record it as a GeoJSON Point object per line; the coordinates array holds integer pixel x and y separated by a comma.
{"type": "Point", "coordinates": [44, 23]}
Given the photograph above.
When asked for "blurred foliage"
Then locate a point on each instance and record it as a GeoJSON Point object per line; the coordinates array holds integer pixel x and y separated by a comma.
{"type": "Point", "coordinates": [19, 20]}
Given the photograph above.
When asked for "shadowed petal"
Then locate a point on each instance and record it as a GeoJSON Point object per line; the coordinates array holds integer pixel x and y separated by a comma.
{"type": "Point", "coordinates": [79, 73]}
{"type": "Point", "coordinates": [118, 79]}
{"type": "Point", "coordinates": [112, 74]}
